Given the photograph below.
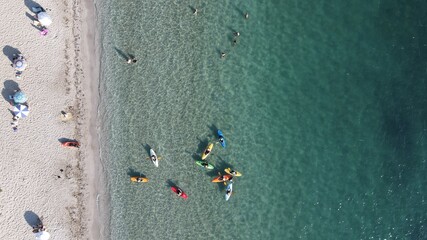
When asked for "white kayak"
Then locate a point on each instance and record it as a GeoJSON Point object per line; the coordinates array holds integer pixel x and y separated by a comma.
{"type": "Point", "coordinates": [153, 157]}
{"type": "Point", "coordinates": [228, 191]}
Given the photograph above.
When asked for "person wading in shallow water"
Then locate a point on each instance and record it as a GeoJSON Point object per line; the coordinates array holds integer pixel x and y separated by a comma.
{"type": "Point", "coordinates": [131, 59]}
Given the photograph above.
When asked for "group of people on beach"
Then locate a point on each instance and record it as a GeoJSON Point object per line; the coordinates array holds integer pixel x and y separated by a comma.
{"type": "Point", "coordinates": [41, 21]}
{"type": "Point", "coordinates": [17, 99]}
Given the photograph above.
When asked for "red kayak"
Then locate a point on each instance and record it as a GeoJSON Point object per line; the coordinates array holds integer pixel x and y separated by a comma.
{"type": "Point", "coordinates": [178, 190]}
{"type": "Point", "coordinates": [71, 144]}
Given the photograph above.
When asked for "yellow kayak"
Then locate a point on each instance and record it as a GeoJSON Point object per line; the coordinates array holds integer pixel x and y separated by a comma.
{"type": "Point", "coordinates": [139, 179]}
{"type": "Point", "coordinates": [232, 172]}
{"type": "Point", "coordinates": [207, 151]}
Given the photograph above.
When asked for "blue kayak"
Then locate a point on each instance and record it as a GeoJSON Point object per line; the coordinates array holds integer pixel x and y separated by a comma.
{"type": "Point", "coordinates": [221, 138]}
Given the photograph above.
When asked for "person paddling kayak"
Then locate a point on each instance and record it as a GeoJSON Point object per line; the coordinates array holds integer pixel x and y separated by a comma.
{"type": "Point", "coordinates": [207, 151]}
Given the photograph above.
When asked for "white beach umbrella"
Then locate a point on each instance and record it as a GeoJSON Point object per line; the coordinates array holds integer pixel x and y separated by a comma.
{"type": "Point", "coordinates": [42, 235]}
{"type": "Point", "coordinates": [20, 110]}
{"type": "Point", "coordinates": [44, 19]}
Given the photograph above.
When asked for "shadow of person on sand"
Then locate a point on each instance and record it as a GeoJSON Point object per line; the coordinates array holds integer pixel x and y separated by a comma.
{"type": "Point", "coordinates": [10, 87]}
{"type": "Point", "coordinates": [32, 218]}
{"type": "Point", "coordinates": [33, 19]}
{"type": "Point", "coordinates": [10, 51]}
{"type": "Point", "coordinates": [63, 140]}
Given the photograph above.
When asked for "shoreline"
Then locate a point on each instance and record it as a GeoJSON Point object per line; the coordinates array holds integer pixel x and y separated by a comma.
{"type": "Point", "coordinates": [91, 69]}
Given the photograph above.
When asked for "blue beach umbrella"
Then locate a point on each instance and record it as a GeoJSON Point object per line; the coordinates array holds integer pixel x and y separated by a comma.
{"type": "Point", "coordinates": [19, 97]}
{"type": "Point", "coordinates": [21, 111]}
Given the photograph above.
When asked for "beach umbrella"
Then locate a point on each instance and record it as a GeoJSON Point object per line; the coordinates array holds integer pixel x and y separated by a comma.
{"type": "Point", "coordinates": [19, 97]}
{"type": "Point", "coordinates": [42, 235]}
{"type": "Point", "coordinates": [44, 19]}
{"type": "Point", "coordinates": [21, 111]}
{"type": "Point", "coordinates": [20, 64]}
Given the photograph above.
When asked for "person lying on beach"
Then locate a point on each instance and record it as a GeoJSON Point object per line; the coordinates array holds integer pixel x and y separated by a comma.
{"type": "Point", "coordinates": [39, 227]}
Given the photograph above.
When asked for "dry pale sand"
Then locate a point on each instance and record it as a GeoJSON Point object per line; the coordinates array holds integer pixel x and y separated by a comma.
{"type": "Point", "coordinates": [59, 77]}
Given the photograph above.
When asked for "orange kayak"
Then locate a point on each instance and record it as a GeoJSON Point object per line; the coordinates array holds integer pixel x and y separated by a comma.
{"type": "Point", "coordinates": [223, 178]}
{"type": "Point", "coordinates": [139, 179]}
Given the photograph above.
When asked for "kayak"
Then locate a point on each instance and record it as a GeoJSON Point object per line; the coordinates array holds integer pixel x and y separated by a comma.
{"type": "Point", "coordinates": [222, 178]}
{"type": "Point", "coordinates": [228, 191]}
{"type": "Point", "coordinates": [71, 144]}
{"type": "Point", "coordinates": [175, 190]}
{"type": "Point", "coordinates": [205, 164]}
{"type": "Point", "coordinates": [232, 172]}
{"type": "Point", "coordinates": [153, 157]}
{"type": "Point", "coordinates": [221, 136]}
{"type": "Point", "coordinates": [136, 178]}
{"type": "Point", "coordinates": [207, 151]}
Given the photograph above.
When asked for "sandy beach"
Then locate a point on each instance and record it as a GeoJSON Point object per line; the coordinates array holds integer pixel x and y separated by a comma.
{"type": "Point", "coordinates": [40, 178]}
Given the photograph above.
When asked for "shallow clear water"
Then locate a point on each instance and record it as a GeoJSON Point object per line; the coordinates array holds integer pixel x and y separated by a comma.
{"type": "Point", "coordinates": [322, 104]}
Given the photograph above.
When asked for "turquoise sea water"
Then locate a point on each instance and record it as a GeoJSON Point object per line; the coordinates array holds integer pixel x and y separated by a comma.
{"type": "Point", "coordinates": [322, 104]}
